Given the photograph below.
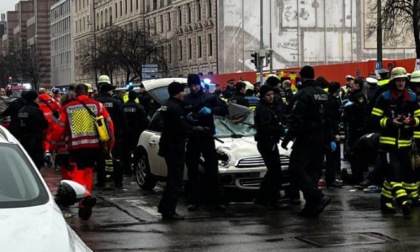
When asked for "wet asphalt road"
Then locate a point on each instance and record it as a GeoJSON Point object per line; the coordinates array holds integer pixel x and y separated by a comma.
{"type": "Point", "coordinates": [128, 221]}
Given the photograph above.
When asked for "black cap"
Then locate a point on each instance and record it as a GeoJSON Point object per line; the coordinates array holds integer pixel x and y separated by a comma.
{"type": "Point", "coordinates": [132, 95]}
{"type": "Point", "coordinates": [31, 96]}
{"type": "Point", "coordinates": [307, 72]}
{"type": "Point", "coordinates": [175, 88]}
{"type": "Point", "coordinates": [265, 89]}
{"type": "Point", "coordinates": [273, 81]}
{"type": "Point", "coordinates": [193, 79]}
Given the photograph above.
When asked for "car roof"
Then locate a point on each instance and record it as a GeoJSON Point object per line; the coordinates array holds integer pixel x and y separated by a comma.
{"type": "Point", "coordinates": [163, 82]}
{"type": "Point", "coordinates": [6, 136]}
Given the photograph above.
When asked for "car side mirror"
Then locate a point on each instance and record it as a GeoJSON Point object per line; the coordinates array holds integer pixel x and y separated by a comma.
{"type": "Point", "coordinates": [69, 192]}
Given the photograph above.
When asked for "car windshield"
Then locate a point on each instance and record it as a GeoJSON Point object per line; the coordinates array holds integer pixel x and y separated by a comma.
{"type": "Point", "coordinates": [19, 184]}
{"type": "Point", "coordinates": [161, 94]}
{"type": "Point", "coordinates": [238, 127]}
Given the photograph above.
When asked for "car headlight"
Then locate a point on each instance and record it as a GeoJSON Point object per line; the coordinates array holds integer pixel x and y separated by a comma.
{"type": "Point", "coordinates": [222, 157]}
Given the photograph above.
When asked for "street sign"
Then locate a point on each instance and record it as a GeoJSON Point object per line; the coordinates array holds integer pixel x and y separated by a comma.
{"type": "Point", "coordinates": [149, 71]}
{"type": "Point", "coordinates": [378, 65]}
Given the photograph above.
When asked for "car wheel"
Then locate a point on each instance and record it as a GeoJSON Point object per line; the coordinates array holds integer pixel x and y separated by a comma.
{"type": "Point", "coordinates": [144, 178]}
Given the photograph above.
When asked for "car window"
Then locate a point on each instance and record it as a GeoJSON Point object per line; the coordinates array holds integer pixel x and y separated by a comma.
{"type": "Point", "coordinates": [155, 124]}
{"type": "Point", "coordinates": [243, 126]}
{"type": "Point", "coordinates": [161, 94]}
{"type": "Point", "coordinates": [20, 186]}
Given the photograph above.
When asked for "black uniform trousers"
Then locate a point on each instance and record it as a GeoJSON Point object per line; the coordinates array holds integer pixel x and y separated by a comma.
{"type": "Point", "coordinates": [175, 161]}
{"type": "Point", "coordinates": [131, 139]}
{"type": "Point", "coordinates": [306, 162]}
{"type": "Point", "coordinates": [33, 145]}
{"type": "Point", "coordinates": [332, 164]}
{"type": "Point", "coordinates": [271, 184]}
{"type": "Point", "coordinates": [195, 147]}
{"type": "Point", "coordinates": [117, 174]}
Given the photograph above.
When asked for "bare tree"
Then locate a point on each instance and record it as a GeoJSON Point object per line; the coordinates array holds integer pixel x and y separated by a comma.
{"type": "Point", "coordinates": [33, 66]}
{"type": "Point", "coordinates": [400, 20]}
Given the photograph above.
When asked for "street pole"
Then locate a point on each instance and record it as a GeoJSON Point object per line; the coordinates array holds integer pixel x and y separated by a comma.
{"type": "Point", "coordinates": [379, 37]}
{"type": "Point", "coordinates": [94, 45]}
{"type": "Point", "coordinates": [261, 42]}
{"type": "Point", "coordinates": [271, 43]}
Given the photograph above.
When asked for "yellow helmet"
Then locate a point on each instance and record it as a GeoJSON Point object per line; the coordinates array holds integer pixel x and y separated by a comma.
{"type": "Point", "coordinates": [415, 76]}
{"type": "Point", "coordinates": [398, 72]}
{"type": "Point", "coordinates": [104, 79]}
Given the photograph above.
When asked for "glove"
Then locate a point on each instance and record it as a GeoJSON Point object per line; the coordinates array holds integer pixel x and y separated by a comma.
{"type": "Point", "coordinates": [333, 146]}
{"type": "Point", "coordinates": [285, 131]}
{"type": "Point", "coordinates": [349, 103]}
{"type": "Point", "coordinates": [205, 111]}
{"type": "Point", "coordinates": [191, 118]}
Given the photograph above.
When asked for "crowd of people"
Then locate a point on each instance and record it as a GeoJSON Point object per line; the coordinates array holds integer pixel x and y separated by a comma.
{"type": "Point", "coordinates": [380, 116]}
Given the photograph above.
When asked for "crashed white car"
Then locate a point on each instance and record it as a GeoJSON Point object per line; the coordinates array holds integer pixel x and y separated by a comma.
{"type": "Point", "coordinates": [240, 164]}
{"type": "Point", "coordinates": [30, 219]}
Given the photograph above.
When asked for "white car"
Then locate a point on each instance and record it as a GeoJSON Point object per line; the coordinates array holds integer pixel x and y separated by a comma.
{"type": "Point", "coordinates": [30, 219]}
{"type": "Point", "coordinates": [240, 164]}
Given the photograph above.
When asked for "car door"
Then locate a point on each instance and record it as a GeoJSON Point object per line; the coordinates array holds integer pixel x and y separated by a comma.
{"type": "Point", "coordinates": [150, 142]}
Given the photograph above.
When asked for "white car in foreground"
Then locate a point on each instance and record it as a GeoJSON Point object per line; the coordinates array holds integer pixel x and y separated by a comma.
{"type": "Point", "coordinates": [30, 220]}
{"type": "Point", "coordinates": [240, 164]}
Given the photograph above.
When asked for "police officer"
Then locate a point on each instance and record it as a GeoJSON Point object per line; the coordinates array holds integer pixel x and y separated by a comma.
{"type": "Point", "coordinates": [310, 126]}
{"type": "Point", "coordinates": [239, 96]}
{"type": "Point", "coordinates": [136, 119]}
{"type": "Point", "coordinates": [201, 108]}
{"type": "Point", "coordinates": [114, 108]}
{"type": "Point", "coordinates": [172, 148]}
{"type": "Point", "coordinates": [32, 125]}
{"type": "Point", "coordinates": [269, 131]}
{"type": "Point", "coordinates": [13, 111]}
{"type": "Point", "coordinates": [356, 117]}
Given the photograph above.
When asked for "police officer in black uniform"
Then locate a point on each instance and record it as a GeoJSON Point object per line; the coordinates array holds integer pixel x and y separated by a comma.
{"type": "Point", "coordinates": [311, 128]}
{"type": "Point", "coordinates": [355, 114]}
{"type": "Point", "coordinates": [13, 111]}
{"type": "Point", "coordinates": [172, 148]}
{"type": "Point", "coordinates": [239, 96]}
{"type": "Point", "coordinates": [201, 108]}
{"type": "Point", "coordinates": [269, 131]}
{"type": "Point", "coordinates": [136, 119]}
{"type": "Point", "coordinates": [114, 108]}
{"type": "Point", "coordinates": [32, 124]}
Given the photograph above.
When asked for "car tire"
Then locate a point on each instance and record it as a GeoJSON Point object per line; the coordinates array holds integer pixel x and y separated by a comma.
{"type": "Point", "coordinates": [144, 178]}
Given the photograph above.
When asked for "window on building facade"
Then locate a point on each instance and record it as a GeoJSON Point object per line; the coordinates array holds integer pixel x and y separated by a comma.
{"type": "Point", "coordinates": [120, 8]}
{"type": "Point", "coordinates": [154, 25]}
{"type": "Point", "coordinates": [169, 2]}
{"type": "Point", "coordinates": [189, 49]}
{"type": "Point", "coordinates": [106, 17]}
{"type": "Point", "coordinates": [189, 13]}
{"type": "Point", "coordinates": [169, 21]}
{"type": "Point", "coordinates": [102, 19]}
{"type": "Point", "coordinates": [162, 3]}
{"type": "Point", "coordinates": [154, 4]}
{"type": "Point", "coordinates": [137, 4]}
{"type": "Point", "coordinates": [126, 6]}
{"type": "Point", "coordinates": [131, 5]}
{"type": "Point", "coordinates": [198, 10]}
{"type": "Point", "coordinates": [179, 16]}
{"type": "Point", "coordinates": [199, 50]}
{"type": "Point", "coordinates": [148, 26]}
{"type": "Point", "coordinates": [180, 50]}
{"type": "Point", "coordinates": [116, 10]}
{"type": "Point", "coordinates": [169, 53]}
{"type": "Point", "coordinates": [161, 23]}
{"type": "Point", "coordinates": [208, 8]}
{"type": "Point", "coordinates": [210, 45]}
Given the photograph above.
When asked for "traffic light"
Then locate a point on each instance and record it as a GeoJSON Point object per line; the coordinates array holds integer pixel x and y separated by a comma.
{"type": "Point", "coordinates": [255, 58]}
{"type": "Point", "coordinates": [268, 57]}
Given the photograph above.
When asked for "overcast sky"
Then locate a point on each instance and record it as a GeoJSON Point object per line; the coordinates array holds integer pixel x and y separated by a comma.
{"type": "Point", "coordinates": [7, 5]}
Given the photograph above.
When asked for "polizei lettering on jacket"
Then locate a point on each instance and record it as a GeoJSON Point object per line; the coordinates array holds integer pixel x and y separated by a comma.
{"type": "Point", "coordinates": [321, 97]}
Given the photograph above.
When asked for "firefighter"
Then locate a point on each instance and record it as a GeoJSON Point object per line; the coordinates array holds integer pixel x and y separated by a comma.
{"type": "Point", "coordinates": [172, 148]}
{"type": "Point", "coordinates": [114, 108]}
{"type": "Point", "coordinates": [311, 127]}
{"type": "Point", "coordinates": [76, 126]}
{"type": "Point", "coordinates": [50, 109]}
{"type": "Point", "coordinates": [201, 108]}
{"type": "Point", "coordinates": [136, 119]}
{"type": "Point", "coordinates": [396, 113]}
{"type": "Point", "coordinates": [269, 131]}
{"type": "Point", "coordinates": [33, 125]}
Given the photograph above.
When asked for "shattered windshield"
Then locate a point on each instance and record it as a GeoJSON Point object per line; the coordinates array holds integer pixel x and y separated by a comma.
{"type": "Point", "coordinates": [239, 127]}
